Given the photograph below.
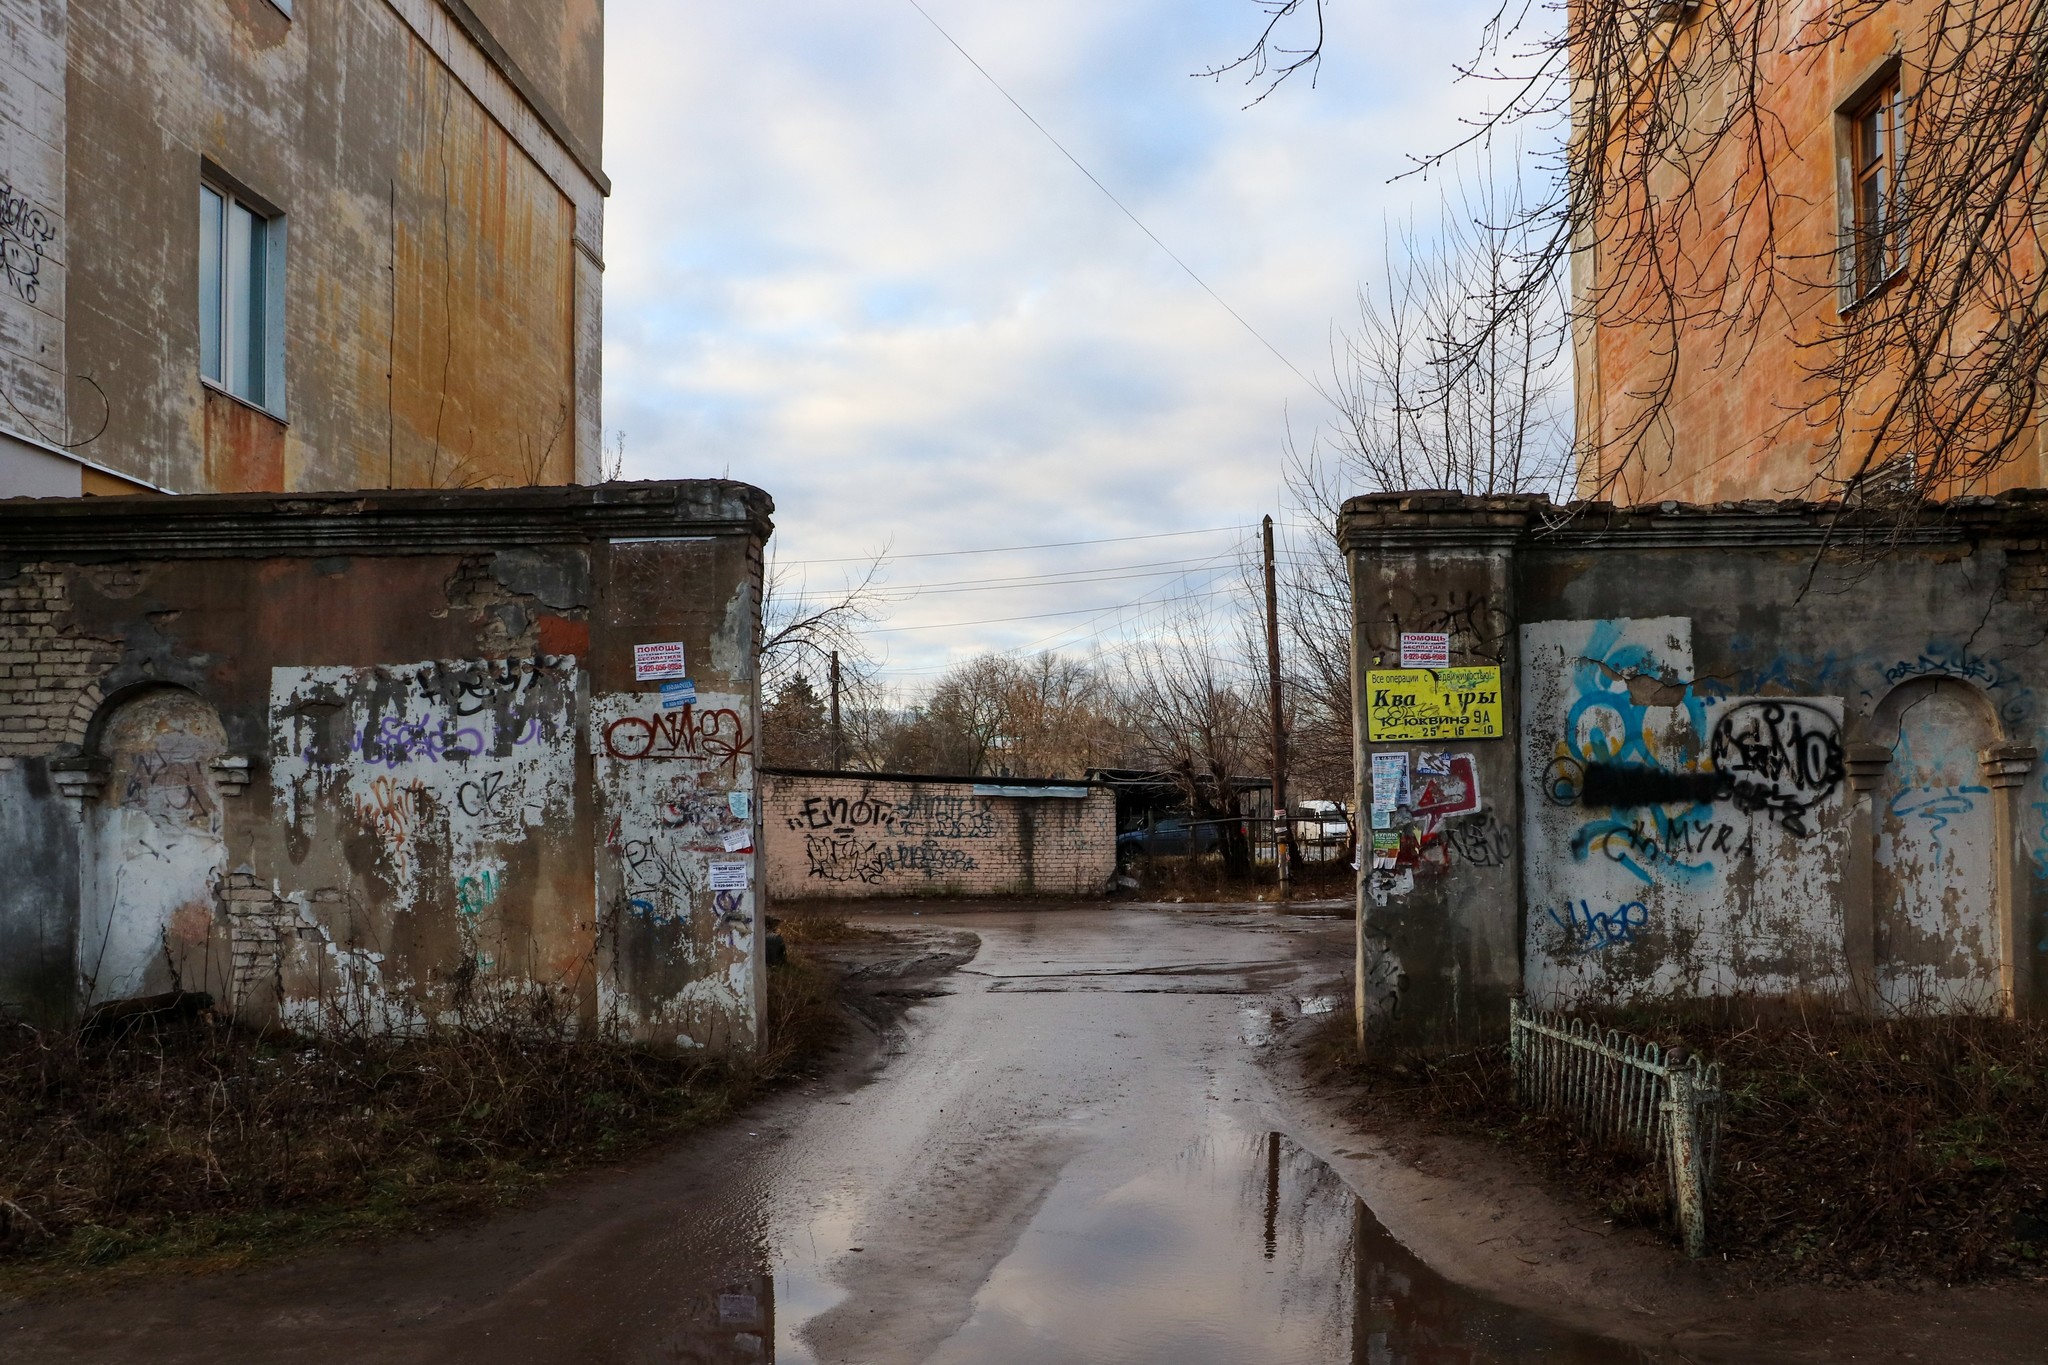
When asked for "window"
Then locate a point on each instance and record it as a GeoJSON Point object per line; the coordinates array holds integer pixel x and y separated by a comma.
{"type": "Point", "coordinates": [1877, 157]}
{"type": "Point", "coordinates": [241, 298]}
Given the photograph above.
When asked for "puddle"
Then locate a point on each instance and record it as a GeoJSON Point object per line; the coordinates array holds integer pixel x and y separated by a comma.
{"type": "Point", "coordinates": [1248, 1249]}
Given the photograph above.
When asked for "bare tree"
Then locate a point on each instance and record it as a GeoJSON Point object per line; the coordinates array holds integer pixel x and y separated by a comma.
{"type": "Point", "coordinates": [1669, 199]}
{"type": "Point", "coordinates": [1050, 715]}
{"type": "Point", "coordinates": [1195, 716]}
{"type": "Point", "coordinates": [802, 630]}
{"type": "Point", "coordinates": [801, 633]}
{"type": "Point", "coordinates": [1417, 409]}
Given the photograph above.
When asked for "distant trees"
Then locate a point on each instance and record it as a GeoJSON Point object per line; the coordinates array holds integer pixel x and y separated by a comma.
{"type": "Point", "coordinates": [795, 727]}
{"type": "Point", "coordinates": [1195, 715]}
{"type": "Point", "coordinates": [1048, 715]}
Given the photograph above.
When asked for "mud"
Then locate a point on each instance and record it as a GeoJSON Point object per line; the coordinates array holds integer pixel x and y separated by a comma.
{"type": "Point", "coordinates": [1070, 1148]}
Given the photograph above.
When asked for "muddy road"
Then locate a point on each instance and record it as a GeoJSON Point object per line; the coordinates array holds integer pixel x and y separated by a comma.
{"type": "Point", "coordinates": [1070, 1152]}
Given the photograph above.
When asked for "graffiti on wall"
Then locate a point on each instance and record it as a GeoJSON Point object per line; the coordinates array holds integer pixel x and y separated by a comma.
{"type": "Point", "coordinates": [24, 231]}
{"type": "Point", "coordinates": [439, 765]}
{"type": "Point", "coordinates": [1660, 812]}
{"type": "Point", "coordinates": [676, 788]}
{"type": "Point", "coordinates": [867, 839]}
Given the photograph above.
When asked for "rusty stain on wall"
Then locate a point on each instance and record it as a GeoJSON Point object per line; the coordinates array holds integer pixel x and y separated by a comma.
{"type": "Point", "coordinates": [441, 308]}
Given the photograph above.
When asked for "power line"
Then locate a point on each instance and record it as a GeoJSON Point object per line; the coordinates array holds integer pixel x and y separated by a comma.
{"type": "Point", "coordinates": [912, 592]}
{"type": "Point", "coordinates": [1141, 600]}
{"type": "Point", "coordinates": [1006, 549]}
{"type": "Point", "coordinates": [1035, 616]}
{"type": "Point", "coordinates": [1220, 300]}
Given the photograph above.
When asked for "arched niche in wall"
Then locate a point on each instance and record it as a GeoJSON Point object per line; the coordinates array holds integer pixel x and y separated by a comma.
{"type": "Point", "coordinates": [157, 850]}
{"type": "Point", "coordinates": [1941, 894]}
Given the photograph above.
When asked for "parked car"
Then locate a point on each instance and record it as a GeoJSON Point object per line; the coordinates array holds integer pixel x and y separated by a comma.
{"type": "Point", "coordinates": [1173, 837]}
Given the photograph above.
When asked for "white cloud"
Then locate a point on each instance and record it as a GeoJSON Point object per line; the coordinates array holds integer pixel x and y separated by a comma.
{"type": "Point", "coordinates": [841, 267]}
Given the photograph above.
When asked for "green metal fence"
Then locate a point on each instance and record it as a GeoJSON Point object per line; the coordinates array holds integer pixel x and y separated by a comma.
{"type": "Point", "coordinates": [1619, 1090]}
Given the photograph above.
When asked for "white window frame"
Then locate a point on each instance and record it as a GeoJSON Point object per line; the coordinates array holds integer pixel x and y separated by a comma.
{"type": "Point", "coordinates": [215, 370]}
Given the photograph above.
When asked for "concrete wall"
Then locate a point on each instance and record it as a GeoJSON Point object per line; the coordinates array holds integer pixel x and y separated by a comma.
{"type": "Point", "coordinates": [33, 243]}
{"type": "Point", "coordinates": [443, 209]}
{"type": "Point", "coordinates": [365, 760]}
{"type": "Point", "coordinates": [831, 836]}
{"type": "Point", "coordinates": [1751, 749]}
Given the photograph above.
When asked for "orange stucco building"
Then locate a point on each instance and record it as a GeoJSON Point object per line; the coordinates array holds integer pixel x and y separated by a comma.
{"type": "Point", "coordinates": [1677, 403]}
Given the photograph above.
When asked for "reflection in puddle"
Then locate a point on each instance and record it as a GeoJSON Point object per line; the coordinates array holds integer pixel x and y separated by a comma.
{"type": "Point", "coordinates": [1247, 1249]}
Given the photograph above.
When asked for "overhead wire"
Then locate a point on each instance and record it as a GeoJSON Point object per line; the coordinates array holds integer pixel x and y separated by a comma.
{"type": "Point", "coordinates": [1007, 549]}
{"type": "Point", "coordinates": [1146, 600]}
{"type": "Point", "coordinates": [1157, 241]}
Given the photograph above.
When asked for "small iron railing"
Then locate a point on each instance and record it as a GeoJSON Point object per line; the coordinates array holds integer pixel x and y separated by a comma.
{"type": "Point", "coordinates": [1619, 1090]}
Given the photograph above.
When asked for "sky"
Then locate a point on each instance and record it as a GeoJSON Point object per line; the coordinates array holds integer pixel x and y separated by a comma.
{"type": "Point", "coordinates": [841, 266]}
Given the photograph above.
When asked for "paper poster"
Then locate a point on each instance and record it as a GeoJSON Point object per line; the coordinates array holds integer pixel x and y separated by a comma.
{"type": "Point", "coordinates": [1433, 704]}
{"type": "Point", "coordinates": [1386, 852]}
{"type": "Point", "coordinates": [1389, 781]}
{"type": "Point", "coordinates": [730, 875]}
{"type": "Point", "coordinates": [739, 841]}
{"type": "Point", "coordinates": [678, 693]}
{"type": "Point", "coordinates": [737, 801]}
{"type": "Point", "coordinates": [1422, 650]}
{"type": "Point", "coordinates": [1432, 764]}
{"type": "Point", "coordinates": [1455, 791]}
{"type": "Point", "coordinates": [654, 662]}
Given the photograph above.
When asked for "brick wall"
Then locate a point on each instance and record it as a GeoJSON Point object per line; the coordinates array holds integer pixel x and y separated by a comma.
{"type": "Point", "coordinates": [827, 836]}
{"type": "Point", "coordinates": [49, 672]}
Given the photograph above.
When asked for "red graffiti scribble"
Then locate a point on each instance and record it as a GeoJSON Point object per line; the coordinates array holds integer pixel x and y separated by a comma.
{"type": "Point", "coordinates": [716, 736]}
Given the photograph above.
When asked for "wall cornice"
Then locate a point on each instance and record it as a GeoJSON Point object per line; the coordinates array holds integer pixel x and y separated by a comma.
{"type": "Point", "coordinates": [1410, 523]}
{"type": "Point", "coordinates": [374, 522]}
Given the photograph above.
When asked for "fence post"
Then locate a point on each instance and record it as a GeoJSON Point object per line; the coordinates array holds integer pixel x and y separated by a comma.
{"type": "Point", "coordinates": [1688, 1171]}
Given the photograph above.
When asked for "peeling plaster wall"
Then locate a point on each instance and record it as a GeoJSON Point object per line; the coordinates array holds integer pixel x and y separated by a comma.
{"type": "Point", "coordinates": [381, 760]}
{"type": "Point", "coordinates": [1763, 748]}
{"type": "Point", "coordinates": [426, 786]}
{"type": "Point", "coordinates": [839, 837]}
{"type": "Point", "coordinates": [675, 790]}
{"type": "Point", "coordinates": [1678, 842]}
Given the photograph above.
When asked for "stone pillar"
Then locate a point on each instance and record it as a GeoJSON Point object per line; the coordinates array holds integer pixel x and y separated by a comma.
{"type": "Point", "coordinates": [1440, 930]}
{"type": "Point", "coordinates": [1866, 764]}
{"type": "Point", "coordinates": [2006, 768]}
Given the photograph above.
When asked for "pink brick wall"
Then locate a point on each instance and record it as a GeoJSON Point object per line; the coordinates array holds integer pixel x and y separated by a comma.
{"type": "Point", "coordinates": [837, 837]}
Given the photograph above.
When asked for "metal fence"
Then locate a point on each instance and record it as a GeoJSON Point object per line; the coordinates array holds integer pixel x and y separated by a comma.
{"type": "Point", "coordinates": [1619, 1090]}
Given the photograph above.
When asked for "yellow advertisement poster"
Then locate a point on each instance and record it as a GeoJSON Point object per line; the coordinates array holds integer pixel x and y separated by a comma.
{"type": "Point", "coordinates": [1433, 703]}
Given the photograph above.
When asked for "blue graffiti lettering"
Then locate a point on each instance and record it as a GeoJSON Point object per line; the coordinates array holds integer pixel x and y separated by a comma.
{"type": "Point", "coordinates": [1936, 805]}
{"type": "Point", "coordinates": [1594, 930]}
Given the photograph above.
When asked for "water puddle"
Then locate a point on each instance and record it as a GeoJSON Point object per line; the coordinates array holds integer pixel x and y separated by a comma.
{"type": "Point", "coordinates": [1248, 1249]}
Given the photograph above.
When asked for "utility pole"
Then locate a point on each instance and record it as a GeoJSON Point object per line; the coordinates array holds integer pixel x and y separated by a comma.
{"type": "Point", "coordinates": [1283, 828]}
{"type": "Point", "coordinates": [838, 742]}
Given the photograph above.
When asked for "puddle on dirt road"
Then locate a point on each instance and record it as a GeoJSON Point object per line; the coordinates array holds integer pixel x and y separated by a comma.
{"type": "Point", "coordinates": [1247, 1249]}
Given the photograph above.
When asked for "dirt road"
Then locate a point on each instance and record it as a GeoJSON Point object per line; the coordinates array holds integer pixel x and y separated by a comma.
{"type": "Point", "coordinates": [1075, 1155]}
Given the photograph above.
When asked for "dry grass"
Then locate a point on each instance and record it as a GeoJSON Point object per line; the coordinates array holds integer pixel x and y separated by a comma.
{"type": "Point", "coordinates": [799, 926]}
{"type": "Point", "coordinates": [1854, 1148]}
{"type": "Point", "coordinates": [1204, 879]}
{"type": "Point", "coordinates": [197, 1143]}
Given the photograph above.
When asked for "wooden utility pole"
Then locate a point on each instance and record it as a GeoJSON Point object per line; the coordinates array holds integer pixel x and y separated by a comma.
{"type": "Point", "coordinates": [838, 741]}
{"type": "Point", "coordinates": [1283, 828]}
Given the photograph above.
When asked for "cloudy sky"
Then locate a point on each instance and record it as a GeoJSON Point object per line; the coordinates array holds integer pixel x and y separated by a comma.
{"type": "Point", "coordinates": [842, 267]}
